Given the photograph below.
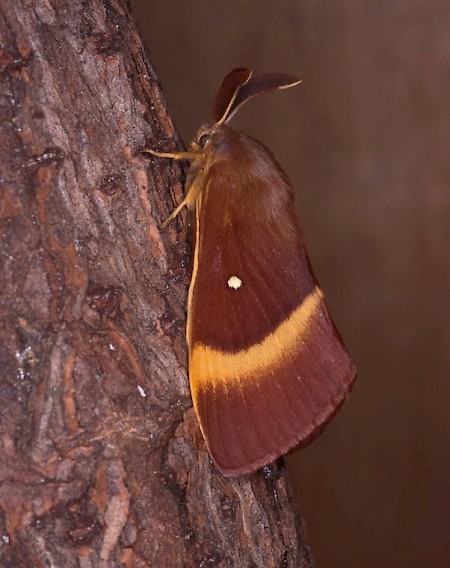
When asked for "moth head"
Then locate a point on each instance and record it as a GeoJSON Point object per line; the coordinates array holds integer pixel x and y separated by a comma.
{"type": "Point", "coordinates": [202, 140]}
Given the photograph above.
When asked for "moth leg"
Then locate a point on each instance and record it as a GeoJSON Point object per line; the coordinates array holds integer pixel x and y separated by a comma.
{"type": "Point", "coordinates": [191, 195]}
{"type": "Point", "coordinates": [174, 213]}
{"type": "Point", "coordinates": [174, 155]}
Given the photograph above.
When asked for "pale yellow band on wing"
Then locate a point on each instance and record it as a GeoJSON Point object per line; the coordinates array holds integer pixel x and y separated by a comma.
{"type": "Point", "coordinates": [218, 367]}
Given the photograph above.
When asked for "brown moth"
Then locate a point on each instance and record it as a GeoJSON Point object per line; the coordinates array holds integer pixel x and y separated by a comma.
{"type": "Point", "coordinates": [267, 366]}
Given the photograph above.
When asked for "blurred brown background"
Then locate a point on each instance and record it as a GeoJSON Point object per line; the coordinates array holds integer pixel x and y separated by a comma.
{"type": "Point", "coordinates": [366, 141]}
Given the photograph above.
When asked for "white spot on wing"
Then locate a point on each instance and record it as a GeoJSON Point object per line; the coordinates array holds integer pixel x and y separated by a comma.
{"type": "Point", "coordinates": [234, 282]}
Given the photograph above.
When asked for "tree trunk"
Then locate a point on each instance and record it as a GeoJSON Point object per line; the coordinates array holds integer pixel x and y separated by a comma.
{"type": "Point", "coordinates": [102, 461]}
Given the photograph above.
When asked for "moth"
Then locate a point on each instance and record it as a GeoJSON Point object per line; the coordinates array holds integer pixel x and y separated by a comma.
{"type": "Point", "coordinates": [267, 366]}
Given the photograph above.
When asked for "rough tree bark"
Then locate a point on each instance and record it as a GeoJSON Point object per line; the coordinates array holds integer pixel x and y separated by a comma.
{"type": "Point", "coordinates": [102, 462]}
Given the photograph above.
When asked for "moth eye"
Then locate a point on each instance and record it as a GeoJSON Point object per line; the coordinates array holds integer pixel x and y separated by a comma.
{"type": "Point", "coordinates": [204, 139]}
